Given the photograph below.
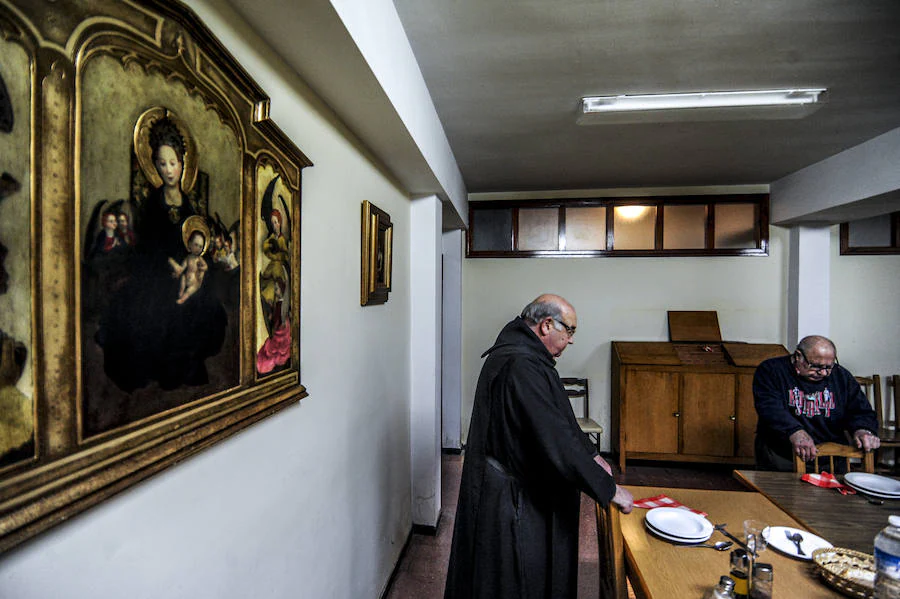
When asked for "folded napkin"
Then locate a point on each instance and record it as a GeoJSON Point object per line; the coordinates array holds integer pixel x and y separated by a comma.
{"type": "Point", "coordinates": [664, 501]}
{"type": "Point", "coordinates": [828, 481]}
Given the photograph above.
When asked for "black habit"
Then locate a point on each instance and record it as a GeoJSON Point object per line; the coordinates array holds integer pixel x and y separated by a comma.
{"type": "Point", "coordinates": [526, 461]}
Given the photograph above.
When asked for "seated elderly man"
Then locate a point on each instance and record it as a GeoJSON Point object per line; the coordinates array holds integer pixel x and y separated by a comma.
{"type": "Point", "coordinates": [805, 399]}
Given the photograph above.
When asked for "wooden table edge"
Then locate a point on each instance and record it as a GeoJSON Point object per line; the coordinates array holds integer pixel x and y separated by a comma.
{"type": "Point", "coordinates": [638, 584]}
{"type": "Point", "coordinates": [749, 484]}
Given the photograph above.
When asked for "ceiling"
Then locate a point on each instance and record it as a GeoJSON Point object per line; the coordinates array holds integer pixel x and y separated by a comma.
{"type": "Point", "coordinates": [506, 79]}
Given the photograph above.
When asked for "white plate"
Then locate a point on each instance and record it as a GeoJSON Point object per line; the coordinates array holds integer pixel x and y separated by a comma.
{"type": "Point", "coordinates": [870, 492]}
{"type": "Point", "coordinates": [674, 539]}
{"type": "Point", "coordinates": [873, 483]}
{"type": "Point", "coordinates": [776, 538]}
{"type": "Point", "coordinates": [679, 523]}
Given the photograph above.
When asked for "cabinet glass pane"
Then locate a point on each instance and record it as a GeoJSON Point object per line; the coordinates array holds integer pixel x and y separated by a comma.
{"type": "Point", "coordinates": [872, 232]}
{"type": "Point", "coordinates": [538, 229]}
{"type": "Point", "coordinates": [735, 226]}
{"type": "Point", "coordinates": [492, 230]}
{"type": "Point", "coordinates": [634, 228]}
{"type": "Point", "coordinates": [586, 228]}
{"type": "Point", "coordinates": [684, 227]}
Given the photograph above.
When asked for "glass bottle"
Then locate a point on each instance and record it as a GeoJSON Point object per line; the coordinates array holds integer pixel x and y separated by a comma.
{"type": "Point", "coordinates": [740, 573]}
{"type": "Point", "coordinates": [887, 561]}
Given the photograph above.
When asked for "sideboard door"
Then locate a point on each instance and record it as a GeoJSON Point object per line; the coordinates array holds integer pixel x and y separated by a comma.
{"type": "Point", "coordinates": [651, 411]}
{"type": "Point", "coordinates": [709, 418]}
{"type": "Point", "coordinates": [746, 416]}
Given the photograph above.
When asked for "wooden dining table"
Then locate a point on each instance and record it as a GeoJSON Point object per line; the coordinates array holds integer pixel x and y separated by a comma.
{"type": "Point", "coordinates": [844, 520]}
{"type": "Point", "coordinates": [660, 569]}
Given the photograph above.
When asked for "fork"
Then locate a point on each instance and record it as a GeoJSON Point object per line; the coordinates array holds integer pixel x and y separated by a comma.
{"type": "Point", "coordinates": [797, 538]}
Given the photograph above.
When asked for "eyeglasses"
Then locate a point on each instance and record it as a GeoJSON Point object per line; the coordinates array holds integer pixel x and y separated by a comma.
{"type": "Point", "coordinates": [826, 368]}
{"type": "Point", "coordinates": [570, 331]}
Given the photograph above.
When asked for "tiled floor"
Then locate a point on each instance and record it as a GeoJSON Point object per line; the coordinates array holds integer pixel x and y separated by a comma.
{"type": "Point", "coordinates": [423, 568]}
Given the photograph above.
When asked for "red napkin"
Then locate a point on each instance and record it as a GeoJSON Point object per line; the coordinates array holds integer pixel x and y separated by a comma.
{"type": "Point", "coordinates": [828, 481]}
{"type": "Point", "coordinates": [664, 501]}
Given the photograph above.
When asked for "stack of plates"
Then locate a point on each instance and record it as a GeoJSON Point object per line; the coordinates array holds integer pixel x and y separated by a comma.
{"type": "Point", "coordinates": [678, 525]}
{"type": "Point", "coordinates": [873, 484]}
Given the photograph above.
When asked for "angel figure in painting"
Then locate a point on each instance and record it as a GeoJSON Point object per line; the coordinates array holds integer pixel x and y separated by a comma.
{"type": "Point", "coordinates": [274, 283]}
{"type": "Point", "coordinates": [191, 271]}
{"type": "Point", "coordinates": [224, 237]}
{"type": "Point", "coordinates": [124, 230]}
{"type": "Point", "coordinates": [105, 236]}
{"type": "Point", "coordinates": [107, 239]}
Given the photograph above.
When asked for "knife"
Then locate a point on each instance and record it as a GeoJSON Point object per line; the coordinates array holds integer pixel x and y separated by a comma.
{"type": "Point", "coordinates": [721, 529]}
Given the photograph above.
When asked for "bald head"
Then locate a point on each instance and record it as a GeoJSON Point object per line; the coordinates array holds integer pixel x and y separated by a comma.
{"type": "Point", "coordinates": [553, 320]}
{"type": "Point", "coordinates": [814, 358]}
{"type": "Point", "coordinates": [547, 305]}
{"type": "Point", "coordinates": [815, 344]}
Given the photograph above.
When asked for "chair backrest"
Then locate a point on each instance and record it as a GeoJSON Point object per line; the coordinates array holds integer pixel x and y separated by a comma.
{"type": "Point", "coordinates": [833, 450]}
{"type": "Point", "coordinates": [578, 388]}
{"type": "Point", "coordinates": [611, 546]}
{"type": "Point", "coordinates": [893, 385]}
{"type": "Point", "coordinates": [871, 386]}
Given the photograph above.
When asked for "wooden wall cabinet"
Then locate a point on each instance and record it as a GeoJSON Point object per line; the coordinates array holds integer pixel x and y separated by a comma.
{"type": "Point", "coordinates": [685, 402]}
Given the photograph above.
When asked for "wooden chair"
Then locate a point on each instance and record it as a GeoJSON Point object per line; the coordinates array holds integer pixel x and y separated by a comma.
{"type": "Point", "coordinates": [578, 388]}
{"type": "Point", "coordinates": [833, 450]}
{"type": "Point", "coordinates": [611, 546]}
{"type": "Point", "coordinates": [887, 420]}
{"type": "Point", "coordinates": [888, 425]}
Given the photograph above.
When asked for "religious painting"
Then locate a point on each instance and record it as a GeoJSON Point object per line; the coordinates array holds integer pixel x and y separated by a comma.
{"type": "Point", "coordinates": [377, 243]}
{"type": "Point", "coordinates": [160, 310]}
{"type": "Point", "coordinates": [134, 331]}
{"type": "Point", "coordinates": [276, 272]}
{"type": "Point", "coordinates": [16, 384]}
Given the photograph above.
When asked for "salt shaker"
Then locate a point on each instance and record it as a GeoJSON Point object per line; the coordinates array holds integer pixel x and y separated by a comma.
{"type": "Point", "coordinates": [761, 583]}
{"type": "Point", "coordinates": [723, 590]}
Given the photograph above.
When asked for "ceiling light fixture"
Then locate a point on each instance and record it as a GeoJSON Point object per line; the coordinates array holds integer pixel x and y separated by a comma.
{"type": "Point", "coordinates": [701, 106]}
{"type": "Point", "coordinates": [631, 212]}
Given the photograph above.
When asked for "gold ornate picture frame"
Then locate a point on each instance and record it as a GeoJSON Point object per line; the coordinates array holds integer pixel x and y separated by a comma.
{"type": "Point", "coordinates": [149, 252]}
{"type": "Point", "coordinates": [377, 246]}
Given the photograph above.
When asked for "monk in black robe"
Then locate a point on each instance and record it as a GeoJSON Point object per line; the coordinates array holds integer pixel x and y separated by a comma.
{"type": "Point", "coordinates": [526, 462]}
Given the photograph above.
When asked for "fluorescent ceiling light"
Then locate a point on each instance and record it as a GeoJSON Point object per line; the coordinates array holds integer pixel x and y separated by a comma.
{"type": "Point", "coordinates": [702, 106]}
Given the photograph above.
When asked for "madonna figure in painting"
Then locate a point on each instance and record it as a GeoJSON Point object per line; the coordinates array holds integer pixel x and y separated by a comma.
{"type": "Point", "coordinates": [153, 330]}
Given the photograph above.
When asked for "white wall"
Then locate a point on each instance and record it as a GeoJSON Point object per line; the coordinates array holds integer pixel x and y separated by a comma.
{"type": "Point", "coordinates": [315, 501]}
{"type": "Point", "coordinates": [623, 299]}
{"type": "Point", "coordinates": [865, 311]}
{"type": "Point", "coordinates": [451, 340]}
{"type": "Point", "coordinates": [425, 344]}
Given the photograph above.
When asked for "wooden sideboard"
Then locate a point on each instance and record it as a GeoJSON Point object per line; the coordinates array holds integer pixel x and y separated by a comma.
{"type": "Point", "coordinates": [689, 402]}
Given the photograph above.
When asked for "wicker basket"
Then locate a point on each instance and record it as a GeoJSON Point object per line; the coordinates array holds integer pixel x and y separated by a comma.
{"type": "Point", "coordinates": [850, 572]}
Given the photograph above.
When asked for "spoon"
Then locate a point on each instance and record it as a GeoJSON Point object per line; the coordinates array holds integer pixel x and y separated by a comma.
{"type": "Point", "coordinates": [719, 546]}
{"type": "Point", "coordinates": [797, 538]}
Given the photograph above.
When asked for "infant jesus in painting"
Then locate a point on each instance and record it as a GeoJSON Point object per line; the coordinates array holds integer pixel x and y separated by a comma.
{"type": "Point", "coordinates": [194, 267]}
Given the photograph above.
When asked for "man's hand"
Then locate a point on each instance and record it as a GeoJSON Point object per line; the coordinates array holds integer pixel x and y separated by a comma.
{"type": "Point", "coordinates": [803, 445]}
{"type": "Point", "coordinates": [623, 499]}
{"type": "Point", "coordinates": [866, 440]}
{"type": "Point", "coordinates": [601, 462]}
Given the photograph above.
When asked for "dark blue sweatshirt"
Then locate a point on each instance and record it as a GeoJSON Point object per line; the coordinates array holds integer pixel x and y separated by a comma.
{"type": "Point", "coordinates": [785, 403]}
